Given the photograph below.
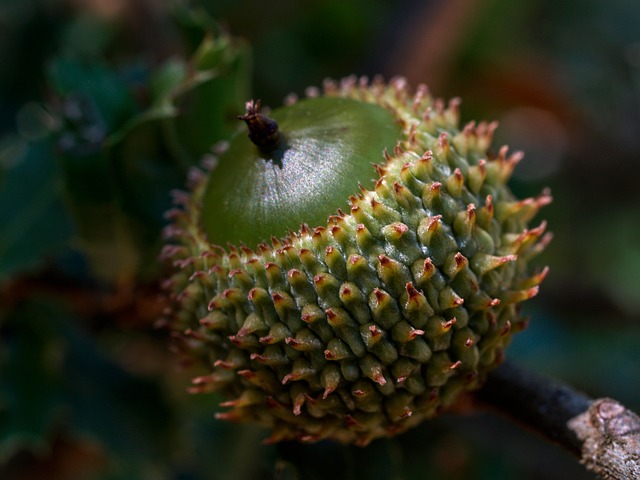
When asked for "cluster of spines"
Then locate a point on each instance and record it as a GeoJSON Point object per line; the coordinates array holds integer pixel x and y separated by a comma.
{"type": "Point", "coordinates": [368, 324]}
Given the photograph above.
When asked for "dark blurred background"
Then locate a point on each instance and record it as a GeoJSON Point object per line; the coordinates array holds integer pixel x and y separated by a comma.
{"type": "Point", "coordinates": [105, 104]}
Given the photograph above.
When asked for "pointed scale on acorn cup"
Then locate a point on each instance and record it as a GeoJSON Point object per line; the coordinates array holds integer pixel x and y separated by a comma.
{"type": "Point", "coordinates": [351, 265]}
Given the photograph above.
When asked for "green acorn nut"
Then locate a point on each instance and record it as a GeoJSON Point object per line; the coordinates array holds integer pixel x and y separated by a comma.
{"type": "Point", "coordinates": [382, 293]}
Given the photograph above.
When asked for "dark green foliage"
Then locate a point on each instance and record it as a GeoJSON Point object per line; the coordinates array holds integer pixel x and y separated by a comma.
{"type": "Point", "coordinates": [53, 375]}
{"type": "Point", "coordinates": [34, 222]}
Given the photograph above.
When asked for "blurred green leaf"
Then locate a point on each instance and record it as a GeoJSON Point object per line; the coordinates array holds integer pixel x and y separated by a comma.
{"type": "Point", "coordinates": [109, 94]}
{"type": "Point", "coordinates": [618, 275]}
{"type": "Point", "coordinates": [208, 109]}
{"type": "Point", "coordinates": [54, 375]}
{"type": "Point", "coordinates": [86, 36]}
{"type": "Point", "coordinates": [121, 160]}
{"type": "Point", "coordinates": [30, 384]}
{"type": "Point", "coordinates": [107, 235]}
{"type": "Point", "coordinates": [33, 219]}
{"type": "Point", "coordinates": [168, 77]}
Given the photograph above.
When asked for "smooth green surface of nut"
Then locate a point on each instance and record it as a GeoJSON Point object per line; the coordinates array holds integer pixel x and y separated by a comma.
{"type": "Point", "coordinates": [326, 150]}
{"type": "Point", "coordinates": [368, 322]}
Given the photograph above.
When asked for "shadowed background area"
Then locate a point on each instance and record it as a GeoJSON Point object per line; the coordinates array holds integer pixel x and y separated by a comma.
{"type": "Point", "coordinates": [104, 106]}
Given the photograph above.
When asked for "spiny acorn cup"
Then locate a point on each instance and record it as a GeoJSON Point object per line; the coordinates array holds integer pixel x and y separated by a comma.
{"type": "Point", "coordinates": [378, 300]}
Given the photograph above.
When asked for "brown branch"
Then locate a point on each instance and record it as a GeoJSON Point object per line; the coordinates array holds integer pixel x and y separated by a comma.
{"type": "Point", "coordinates": [611, 439]}
{"type": "Point", "coordinates": [602, 432]}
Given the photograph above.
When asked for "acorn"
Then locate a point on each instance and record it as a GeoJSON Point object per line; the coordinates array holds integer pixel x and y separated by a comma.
{"type": "Point", "coordinates": [353, 264]}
